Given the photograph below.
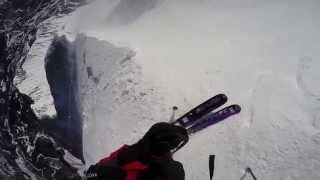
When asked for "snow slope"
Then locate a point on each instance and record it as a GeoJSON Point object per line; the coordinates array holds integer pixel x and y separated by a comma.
{"type": "Point", "coordinates": [115, 102]}
{"type": "Point", "coordinates": [263, 54]}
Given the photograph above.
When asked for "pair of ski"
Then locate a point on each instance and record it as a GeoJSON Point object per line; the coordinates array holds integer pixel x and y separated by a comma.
{"type": "Point", "coordinates": [203, 116]}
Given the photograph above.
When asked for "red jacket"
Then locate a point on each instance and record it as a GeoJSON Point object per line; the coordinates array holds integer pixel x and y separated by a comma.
{"type": "Point", "coordinates": [132, 169]}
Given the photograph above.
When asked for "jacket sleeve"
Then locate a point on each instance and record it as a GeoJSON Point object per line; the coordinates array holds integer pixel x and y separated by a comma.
{"type": "Point", "coordinates": [106, 168]}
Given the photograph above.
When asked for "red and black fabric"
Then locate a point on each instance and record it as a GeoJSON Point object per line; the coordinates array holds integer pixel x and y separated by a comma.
{"type": "Point", "coordinates": [107, 168]}
{"type": "Point", "coordinates": [149, 159]}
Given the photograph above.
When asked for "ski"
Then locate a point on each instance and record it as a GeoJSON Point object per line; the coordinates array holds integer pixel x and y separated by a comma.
{"type": "Point", "coordinates": [213, 118]}
{"type": "Point", "coordinates": [204, 108]}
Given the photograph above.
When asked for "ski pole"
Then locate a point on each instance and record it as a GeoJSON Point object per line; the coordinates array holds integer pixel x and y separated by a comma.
{"type": "Point", "coordinates": [211, 165]}
{"type": "Point", "coordinates": [173, 115]}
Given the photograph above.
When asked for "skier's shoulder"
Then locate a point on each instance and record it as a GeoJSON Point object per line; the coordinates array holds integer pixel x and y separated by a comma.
{"type": "Point", "coordinates": [112, 158]}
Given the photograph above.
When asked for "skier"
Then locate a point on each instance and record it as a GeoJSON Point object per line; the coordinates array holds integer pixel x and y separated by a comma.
{"type": "Point", "coordinates": [148, 159]}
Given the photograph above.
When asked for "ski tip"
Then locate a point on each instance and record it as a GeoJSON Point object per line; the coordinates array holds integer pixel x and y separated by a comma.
{"type": "Point", "coordinates": [237, 108]}
{"type": "Point", "coordinates": [234, 109]}
{"type": "Point", "coordinates": [222, 96]}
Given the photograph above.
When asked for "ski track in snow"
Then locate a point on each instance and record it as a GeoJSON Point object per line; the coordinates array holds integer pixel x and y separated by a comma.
{"type": "Point", "coordinates": [258, 53]}
{"type": "Point", "coordinates": [307, 78]}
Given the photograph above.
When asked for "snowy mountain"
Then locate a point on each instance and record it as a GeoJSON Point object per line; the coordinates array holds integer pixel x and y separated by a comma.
{"type": "Point", "coordinates": [262, 54]}
{"type": "Point", "coordinates": [124, 64]}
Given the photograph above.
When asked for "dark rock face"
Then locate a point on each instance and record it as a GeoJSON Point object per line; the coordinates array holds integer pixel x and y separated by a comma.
{"type": "Point", "coordinates": [61, 71]}
{"type": "Point", "coordinates": [26, 152]}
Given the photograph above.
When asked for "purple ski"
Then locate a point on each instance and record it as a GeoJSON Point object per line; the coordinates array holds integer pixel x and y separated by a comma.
{"type": "Point", "coordinates": [214, 118]}
{"type": "Point", "coordinates": [204, 108]}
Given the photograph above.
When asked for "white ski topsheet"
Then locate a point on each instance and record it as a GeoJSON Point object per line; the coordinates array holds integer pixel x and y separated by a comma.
{"type": "Point", "coordinates": [263, 54]}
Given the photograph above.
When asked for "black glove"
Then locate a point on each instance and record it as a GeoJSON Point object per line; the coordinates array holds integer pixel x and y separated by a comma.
{"type": "Point", "coordinates": [164, 167]}
{"type": "Point", "coordinates": [96, 172]}
{"type": "Point", "coordinates": [168, 168]}
{"type": "Point", "coordinates": [160, 139]}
